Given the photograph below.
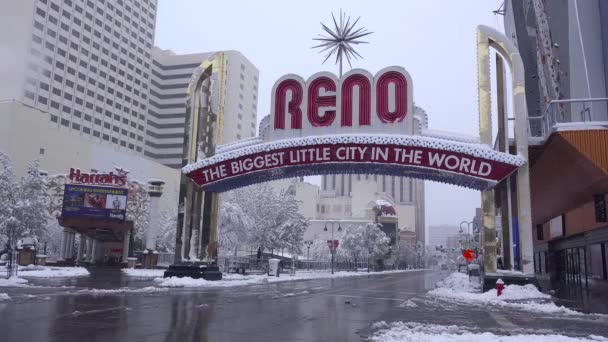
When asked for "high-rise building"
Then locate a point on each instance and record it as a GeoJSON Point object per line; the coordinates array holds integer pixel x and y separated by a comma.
{"type": "Point", "coordinates": [171, 74]}
{"type": "Point", "coordinates": [85, 63]}
{"type": "Point", "coordinates": [563, 49]}
{"type": "Point", "coordinates": [439, 234]}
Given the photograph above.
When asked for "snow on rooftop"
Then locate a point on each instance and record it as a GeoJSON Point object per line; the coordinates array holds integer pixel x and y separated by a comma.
{"type": "Point", "coordinates": [474, 149]}
{"type": "Point", "coordinates": [580, 126]}
{"type": "Point", "coordinates": [238, 144]}
{"type": "Point", "coordinates": [450, 136]}
{"type": "Point", "coordinates": [381, 202]}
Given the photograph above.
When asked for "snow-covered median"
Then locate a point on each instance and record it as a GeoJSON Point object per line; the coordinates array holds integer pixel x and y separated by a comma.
{"type": "Point", "coordinates": [32, 271]}
{"type": "Point", "coordinates": [230, 280]}
{"type": "Point", "coordinates": [457, 287]}
{"type": "Point", "coordinates": [142, 273]}
{"type": "Point", "coordinates": [123, 290]}
{"type": "Point", "coordinates": [4, 296]}
{"type": "Point", "coordinates": [399, 331]}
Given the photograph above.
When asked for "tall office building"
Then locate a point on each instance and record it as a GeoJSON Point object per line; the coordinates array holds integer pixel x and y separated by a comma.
{"type": "Point", "coordinates": [169, 82]}
{"type": "Point", "coordinates": [84, 62]}
{"type": "Point", "coordinates": [439, 234]}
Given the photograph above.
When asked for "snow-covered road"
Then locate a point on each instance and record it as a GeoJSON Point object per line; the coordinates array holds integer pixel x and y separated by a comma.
{"type": "Point", "coordinates": [380, 307]}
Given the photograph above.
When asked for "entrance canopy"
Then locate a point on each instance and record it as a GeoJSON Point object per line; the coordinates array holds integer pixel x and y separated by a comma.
{"type": "Point", "coordinates": [99, 229]}
{"type": "Point", "coordinates": [253, 161]}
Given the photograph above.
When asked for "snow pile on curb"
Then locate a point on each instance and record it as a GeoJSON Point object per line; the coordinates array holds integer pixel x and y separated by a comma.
{"type": "Point", "coordinates": [189, 282]}
{"type": "Point", "coordinates": [457, 287]}
{"type": "Point", "coordinates": [230, 280]}
{"type": "Point", "coordinates": [399, 331]}
{"type": "Point", "coordinates": [32, 271]}
{"type": "Point", "coordinates": [13, 282]}
{"type": "Point", "coordinates": [457, 282]}
{"type": "Point", "coordinates": [142, 273]}
{"type": "Point", "coordinates": [4, 296]}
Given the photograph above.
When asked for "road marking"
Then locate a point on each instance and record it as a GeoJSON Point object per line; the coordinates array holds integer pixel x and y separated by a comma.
{"type": "Point", "coordinates": [502, 320]}
{"type": "Point", "coordinates": [366, 297]}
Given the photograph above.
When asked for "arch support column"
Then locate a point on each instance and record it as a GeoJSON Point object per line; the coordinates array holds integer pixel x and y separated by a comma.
{"type": "Point", "coordinates": [488, 37]}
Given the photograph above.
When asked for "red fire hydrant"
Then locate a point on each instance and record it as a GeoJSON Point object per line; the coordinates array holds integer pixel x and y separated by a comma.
{"type": "Point", "coordinates": [500, 286]}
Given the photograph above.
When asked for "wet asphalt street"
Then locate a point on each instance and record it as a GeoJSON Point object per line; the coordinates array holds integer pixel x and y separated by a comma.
{"type": "Point", "coordinates": [314, 310]}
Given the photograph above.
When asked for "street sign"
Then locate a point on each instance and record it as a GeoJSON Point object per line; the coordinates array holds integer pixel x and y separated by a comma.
{"type": "Point", "coordinates": [469, 255]}
{"type": "Point", "coordinates": [333, 245]}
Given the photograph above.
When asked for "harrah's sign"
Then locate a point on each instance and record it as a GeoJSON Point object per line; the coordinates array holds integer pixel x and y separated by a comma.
{"type": "Point", "coordinates": [108, 179]}
{"type": "Point", "coordinates": [356, 103]}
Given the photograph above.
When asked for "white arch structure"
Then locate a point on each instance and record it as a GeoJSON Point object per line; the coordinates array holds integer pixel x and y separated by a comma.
{"type": "Point", "coordinates": [487, 38]}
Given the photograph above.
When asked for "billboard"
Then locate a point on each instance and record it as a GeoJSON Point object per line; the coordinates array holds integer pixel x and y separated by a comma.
{"type": "Point", "coordinates": [88, 201]}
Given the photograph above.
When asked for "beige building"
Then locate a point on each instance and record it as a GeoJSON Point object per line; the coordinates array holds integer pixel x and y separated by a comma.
{"type": "Point", "coordinates": [307, 194]}
{"type": "Point", "coordinates": [170, 77]}
{"type": "Point", "coordinates": [25, 136]}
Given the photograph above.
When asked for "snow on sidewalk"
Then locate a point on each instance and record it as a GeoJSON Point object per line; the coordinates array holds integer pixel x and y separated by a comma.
{"type": "Point", "coordinates": [230, 280]}
{"type": "Point", "coordinates": [400, 331]}
{"type": "Point", "coordinates": [457, 287]}
{"type": "Point", "coordinates": [13, 282]}
{"type": "Point", "coordinates": [32, 271]}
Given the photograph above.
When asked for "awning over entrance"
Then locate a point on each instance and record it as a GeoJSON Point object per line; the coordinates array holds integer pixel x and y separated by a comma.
{"type": "Point", "coordinates": [101, 230]}
{"type": "Point", "coordinates": [570, 162]}
{"type": "Point", "coordinates": [460, 163]}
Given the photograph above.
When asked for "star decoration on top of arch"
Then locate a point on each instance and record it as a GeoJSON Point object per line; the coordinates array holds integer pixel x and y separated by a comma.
{"type": "Point", "coordinates": [339, 41]}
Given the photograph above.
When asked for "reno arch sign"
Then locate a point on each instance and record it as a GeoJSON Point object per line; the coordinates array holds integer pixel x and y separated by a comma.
{"type": "Point", "coordinates": [359, 124]}
{"type": "Point", "coordinates": [357, 103]}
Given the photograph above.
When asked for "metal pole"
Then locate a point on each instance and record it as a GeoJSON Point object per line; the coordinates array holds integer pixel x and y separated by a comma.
{"type": "Point", "coordinates": [308, 258]}
{"type": "Point", "coordinates": [332, 247]}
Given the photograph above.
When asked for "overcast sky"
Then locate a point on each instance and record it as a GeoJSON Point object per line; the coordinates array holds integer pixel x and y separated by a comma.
{"type": "Point", "coordinates": [433, 39]}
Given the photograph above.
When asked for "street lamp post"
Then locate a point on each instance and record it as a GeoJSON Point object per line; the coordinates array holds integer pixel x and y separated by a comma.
{"type": "Point", "coordinates": [332, 250]}
{"type": "Point", "coordinates": [308, 243]}
{"type": "Point", "coordinates": [468, 225]}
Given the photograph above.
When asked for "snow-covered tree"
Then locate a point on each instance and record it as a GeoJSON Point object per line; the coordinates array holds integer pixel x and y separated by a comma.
{"type": "Point", "coordinates": [273, 218]}
{"type": "Point", "coordinates": [55, 186]}
{"type": "Point", "coordinates": [291, 225]}
{"type": "Point", "coordinates": [405, 253]}
{"type": "Point", "coordinates": [52, 238]}
{"type": "Point", "coordinates": [166, 236]}
{"type": "Point", "coordinates": [8, 188]}
{"type": "Point", "coordinates": [23, 209]}
{"type": "Point", "coordinates": [320, 251]}
{"type": "Point", "coordinates": [138, 205]}
{"type": "Point", "coordinates": [352, 242]}
{"type": "Point", "coordinates": [367, 241]}
{"type": "Point", "coordinates": [233, 227]}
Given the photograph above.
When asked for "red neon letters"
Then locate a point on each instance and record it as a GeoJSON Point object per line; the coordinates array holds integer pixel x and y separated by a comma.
{"type": "Point", "coordinates": [327, 98]}
{"type": "Point", "coordinates": [315, 101]}
{"type": "Point", "coordinates": [293, 107]}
